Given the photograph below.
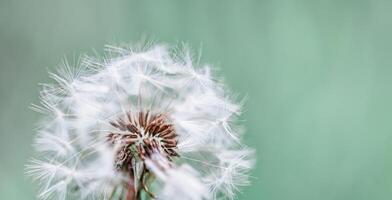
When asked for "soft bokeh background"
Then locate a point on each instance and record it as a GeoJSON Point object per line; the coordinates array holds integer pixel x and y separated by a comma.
{"type": "Point", "coordinates": [318, 76]}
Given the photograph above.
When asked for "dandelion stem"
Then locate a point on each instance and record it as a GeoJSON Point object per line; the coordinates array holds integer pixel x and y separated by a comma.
{"type": "Point", "coordinates": [131, 193]}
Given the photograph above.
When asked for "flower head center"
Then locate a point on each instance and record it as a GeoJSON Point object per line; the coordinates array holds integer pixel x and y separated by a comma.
{"type": "Point", "coordinates": [140, 135]}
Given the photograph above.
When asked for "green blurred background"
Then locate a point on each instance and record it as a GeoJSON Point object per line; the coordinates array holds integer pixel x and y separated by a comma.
{"type": "Point", "coordinates": [318, 75]}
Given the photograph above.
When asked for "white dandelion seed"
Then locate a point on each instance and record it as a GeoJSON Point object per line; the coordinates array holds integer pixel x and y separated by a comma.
{"type": "Point", "coordinates": [138, 124]}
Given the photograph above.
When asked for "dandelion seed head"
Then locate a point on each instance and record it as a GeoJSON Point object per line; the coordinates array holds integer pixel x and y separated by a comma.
{"type": "Point", "coordinates": [138, 122]}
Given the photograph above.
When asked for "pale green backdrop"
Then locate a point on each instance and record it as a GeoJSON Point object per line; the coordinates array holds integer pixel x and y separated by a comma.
{"type": "Point", "coordinates": [318, 76]}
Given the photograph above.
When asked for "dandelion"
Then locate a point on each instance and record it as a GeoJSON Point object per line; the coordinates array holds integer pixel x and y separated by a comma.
{"type": "Point", "coordinates": [142, 123]}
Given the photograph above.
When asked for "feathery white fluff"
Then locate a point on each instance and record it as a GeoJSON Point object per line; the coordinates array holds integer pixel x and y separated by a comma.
{"type": "Point", "coordinates": [74, 158]}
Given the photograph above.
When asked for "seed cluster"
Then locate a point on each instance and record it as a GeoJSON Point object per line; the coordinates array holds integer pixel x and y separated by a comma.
{"type": "Point", "coordinates": [140, 135]}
